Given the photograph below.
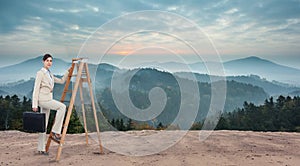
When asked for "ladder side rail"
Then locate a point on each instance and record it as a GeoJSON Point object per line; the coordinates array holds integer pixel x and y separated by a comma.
{"type": "Point", "coordinates": [83, 112]}
{"type": "Point", "coordinates": [70, 108]}
{"type": "Point", "coordinates": [62, 99]}
{"type": "Point", "coordinates": [93, 105]}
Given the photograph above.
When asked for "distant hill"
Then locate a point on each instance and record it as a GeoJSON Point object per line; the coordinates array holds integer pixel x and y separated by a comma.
{"type": "Point", "coordinates": [272, 88]}
{"type": "Point", "coordinates": [295, 93]}
{"type": "Point", "coordinates": [245, 66]}
{"type": "Point", "coordinates": [263, 68]}
{"type": "Point", "coordinates": [146, 79]}
{"type": "Point", "coordinates": [25, 87]}
{"type": "Point", "coordinates": [27, 69]}
{"type": "Point", "coordinates": [3, 93]}
{"type": "Point", "coordinates": [21, 88]}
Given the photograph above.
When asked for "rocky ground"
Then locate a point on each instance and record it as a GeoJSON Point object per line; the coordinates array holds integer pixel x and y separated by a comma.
{"type": "Point", "coordinates": [219, 148]}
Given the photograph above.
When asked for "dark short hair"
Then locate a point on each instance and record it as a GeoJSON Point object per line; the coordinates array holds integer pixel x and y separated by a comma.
{"type": "Point", "coordinates": [46, 56]}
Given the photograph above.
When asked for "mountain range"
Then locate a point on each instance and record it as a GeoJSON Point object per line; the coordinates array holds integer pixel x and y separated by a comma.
{"type": "Point", "coordinates": [241, 88]}
{"type": "Point", "coordinates": [275, 79]}
{"type": "Point", "coordinates": [240, 67]}
{"type": "Point", "coordinates": [27, 70]}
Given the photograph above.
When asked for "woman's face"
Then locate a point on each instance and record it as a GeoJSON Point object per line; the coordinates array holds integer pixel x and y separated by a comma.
{"type": "Point", "coordinates": [48, 63]}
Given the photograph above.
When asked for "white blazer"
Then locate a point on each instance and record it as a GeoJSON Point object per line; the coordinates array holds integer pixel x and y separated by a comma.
{"type": "Point", "coordinates": [43, 86]}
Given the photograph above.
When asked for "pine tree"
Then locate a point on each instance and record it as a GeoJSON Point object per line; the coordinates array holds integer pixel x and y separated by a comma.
{"type": "Point", "coordinates": [113, 123]}
{"type": "Point", "coordinates": [160, 126]}
{"type": "Point", "coordinates": [129, 125]}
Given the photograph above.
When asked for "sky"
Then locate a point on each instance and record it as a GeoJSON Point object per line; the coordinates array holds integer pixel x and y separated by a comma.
{"type": "Point", "coordinates": [136, 31]}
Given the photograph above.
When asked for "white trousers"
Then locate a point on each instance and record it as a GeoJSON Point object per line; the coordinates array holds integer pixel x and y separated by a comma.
{"type": "Point", "coordinates": [59, 118]}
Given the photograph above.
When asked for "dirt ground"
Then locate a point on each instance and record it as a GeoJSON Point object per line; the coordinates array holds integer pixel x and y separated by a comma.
{"type": "Point", "coordinates": [220, 148]}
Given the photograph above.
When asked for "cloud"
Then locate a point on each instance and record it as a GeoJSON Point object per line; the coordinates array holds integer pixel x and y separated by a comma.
{"type": "Point", "coordinates": [231, 11]}
{"type": "Point", "coordinates": [236, 27]}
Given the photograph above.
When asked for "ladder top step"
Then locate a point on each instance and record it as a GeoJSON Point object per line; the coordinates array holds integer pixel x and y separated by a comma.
{"type": "Point", "coordinates": [74, 60]}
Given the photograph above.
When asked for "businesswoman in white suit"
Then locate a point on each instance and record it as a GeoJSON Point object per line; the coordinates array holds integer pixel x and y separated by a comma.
{"type": "Point", "coordinates": [43, 97]}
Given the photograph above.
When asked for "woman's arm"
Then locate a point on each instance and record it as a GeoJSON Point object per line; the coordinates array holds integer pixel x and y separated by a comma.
{"type": "Point", "coordinates": [36, 90]}
{"type": "Point", "coordinates": [63, 79]}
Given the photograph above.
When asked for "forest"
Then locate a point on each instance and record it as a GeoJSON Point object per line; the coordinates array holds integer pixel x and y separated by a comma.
{"type": "Point", "coordinates": [283, 114]}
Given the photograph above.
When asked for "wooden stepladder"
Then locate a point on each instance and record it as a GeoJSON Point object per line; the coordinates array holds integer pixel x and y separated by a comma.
{"type": "Point", "coordinates": [82, 76]}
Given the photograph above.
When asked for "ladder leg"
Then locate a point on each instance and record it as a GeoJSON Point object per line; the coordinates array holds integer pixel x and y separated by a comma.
{"type": "Point", "coordinates": [83, 113]}
{"type": "Point", "coordinates": [93, 106]}
{"type": "Point", "coordinates": [69, 110]}
{"type": "Point", "coordinates": [48, 142]}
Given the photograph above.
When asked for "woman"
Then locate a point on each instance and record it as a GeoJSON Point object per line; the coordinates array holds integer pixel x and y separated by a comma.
{"type": "Point", "coordinates": [43, 97]}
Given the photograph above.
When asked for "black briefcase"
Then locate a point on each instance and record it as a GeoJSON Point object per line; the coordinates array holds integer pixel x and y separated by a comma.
{"type": "Point", "coordinates": [34, 122]}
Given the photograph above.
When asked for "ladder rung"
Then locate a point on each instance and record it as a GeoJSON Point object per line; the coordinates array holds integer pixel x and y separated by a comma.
{"type": "Point", "coordinates": [84, 79]}
{"type": "Point", "coordinates": [74, 75]}
{"type": "Point", "coordinates": [55, 140]}
{"type": "Point", "coordinates": [51, 137]}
